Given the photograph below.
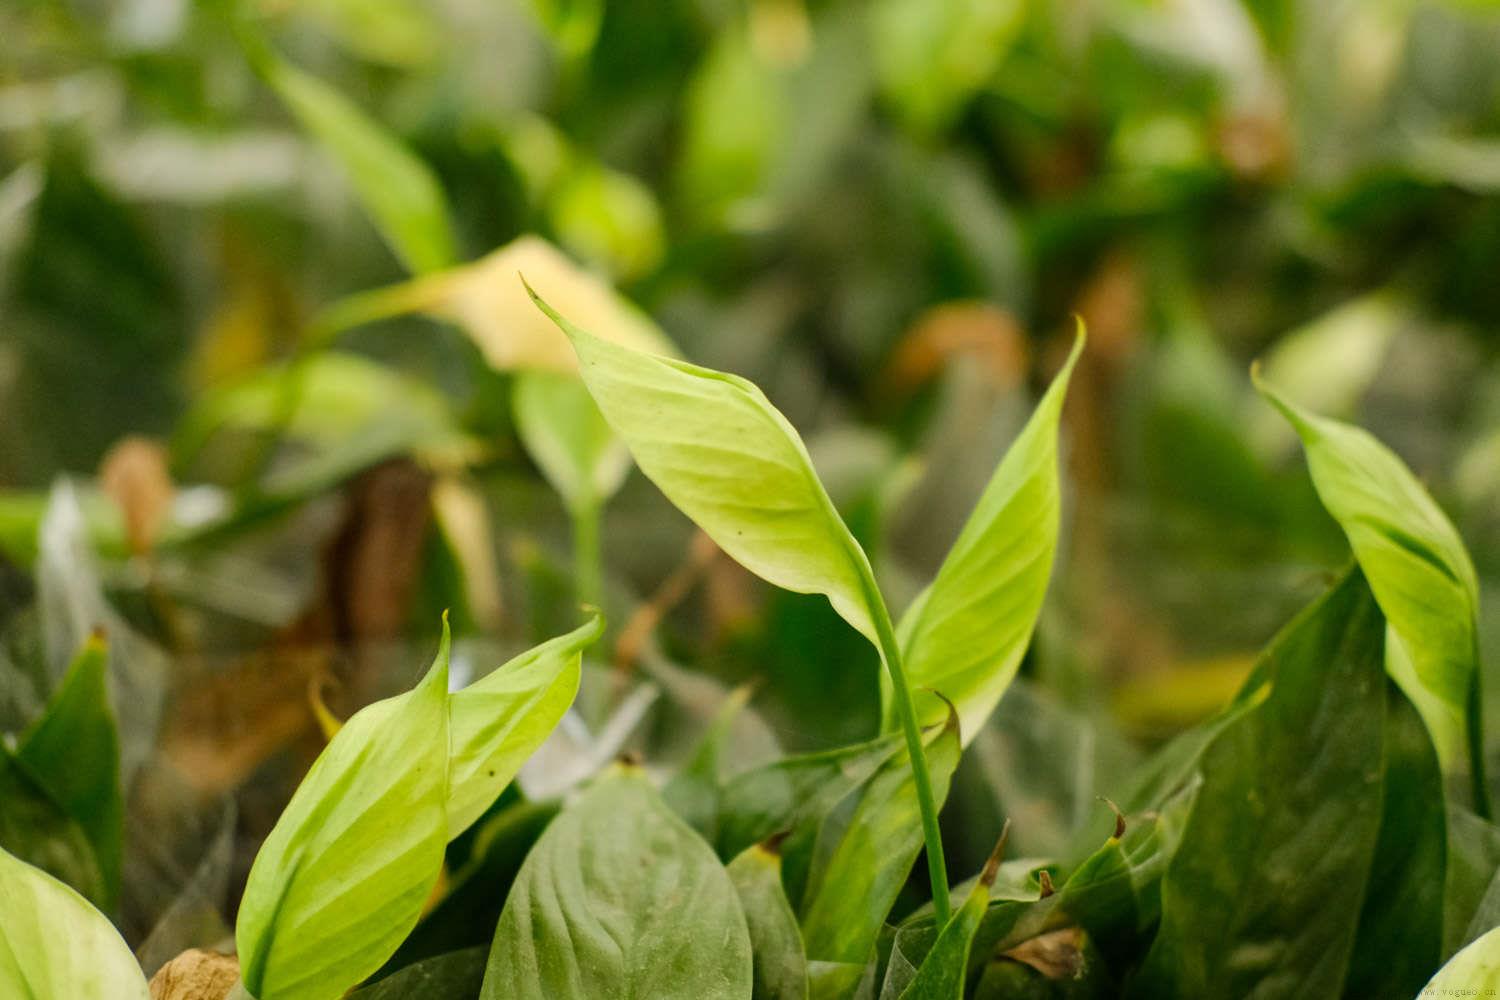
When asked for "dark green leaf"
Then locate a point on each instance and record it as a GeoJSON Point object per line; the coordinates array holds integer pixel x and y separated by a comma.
{"type": "Point", "coordinates": [73, 753]}
{"type": "Point", "coordinates": [862, 860]}
{"type": "Point", "coordinates": [1265, 891]}
{"type": "Point", "coordinates": [620, 899]}
{"type": "Point", "coordinates": [775, 939]}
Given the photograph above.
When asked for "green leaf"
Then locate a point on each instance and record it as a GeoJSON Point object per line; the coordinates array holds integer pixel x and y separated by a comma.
{"type": "Point", "coordinates": [73, 753]}
{"type": "Point", "coordinates": [732, 463]}
{"type": "Point", "coordinates": [455, 975]}
{"type": "Point", "coordinates": [620, 899]}
{"type": "Point", "coordinates": [794, 795]}
{"type": "Point", "coordinates": [776, 941]}
{"type": "Point", "coordinates": [1473, 972]}
{"type": "Point", "coordinates": [694, 791]}
{"type": "Point", "coordinates": [343, 877]}
{"type": "Point", "coordinates": [399, 191]}
{"type": "Point", "coordinates": [943, 971]}
{"type": "Point", "coordinates": [35, 829]}
{"type": "Point", "coordinates": [498, 721]}
{"type": "Point", "coordinates": [53, 944]}
{"type": "Point", "coordinates": [1400, 936]}
{"type": "Point", "coordinates": [934, 57]}
{"type": "Point", "coordinates": [863, 862]}
{"type": "Point", "coordinates": [1265, 892]}
{"type": "Point", "coordinates": [567, 437]}
{"type": "Point", "coordinates": [72, 602]}
{"type": "Point", "coordinates": [1418, 568]}
{"type": "Point", "coordinates": [965, 635]}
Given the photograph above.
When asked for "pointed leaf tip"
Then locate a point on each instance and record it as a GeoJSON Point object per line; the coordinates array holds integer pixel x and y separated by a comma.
{"type": "Point", "coordinates": [992, 864]}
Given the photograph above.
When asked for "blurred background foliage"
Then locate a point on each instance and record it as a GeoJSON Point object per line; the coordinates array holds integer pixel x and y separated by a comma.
{"type": "Point", "coordinates": [884, 213]}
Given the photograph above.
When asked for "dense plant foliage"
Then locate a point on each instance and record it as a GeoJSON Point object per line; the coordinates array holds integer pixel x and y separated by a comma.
{"type": "Point", "coordinates": [981, 623]}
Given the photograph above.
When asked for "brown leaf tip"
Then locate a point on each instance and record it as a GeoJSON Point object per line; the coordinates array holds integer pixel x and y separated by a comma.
{"type": "Point", "coordinates": [773, 843]}
{"type": "Point", "coordinates": [1119, 816]}
{"type": "Point", "coordinates": [992, 865]}
{"type": "Point", "coordinates": [1045, 878]}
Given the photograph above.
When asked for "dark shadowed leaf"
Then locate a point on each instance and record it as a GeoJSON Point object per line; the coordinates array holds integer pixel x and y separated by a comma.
{"type": "Point", "coordinates": [620, 899]}
{"type": "Point", "coordinates": [1265, 891]}
{"type": "Point", "coordinates": [73, 753]}
{"type": "Point", "coordinates": [775, 939]}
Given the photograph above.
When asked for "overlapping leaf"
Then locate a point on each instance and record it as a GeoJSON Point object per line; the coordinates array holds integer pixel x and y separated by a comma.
{"type": "Point", "coordinates": [965, 635]}
{"type": "Point", "coordinates": [342, 878]}
{"type": "Point", "coordinates": [620, 899]}
{"type": "Point", "coordinates": [1416, 565]}
{"type": "Point", "coordinates": [499, 720]}
{"type": "Point", "coordinates": [1265, 892]}
{"type": "Point", "coordinates": [729, 460]}
{"type": "Point", "coordinates": [53, 944]}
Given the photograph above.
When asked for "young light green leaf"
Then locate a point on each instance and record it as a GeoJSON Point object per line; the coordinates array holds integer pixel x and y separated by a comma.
{"type": "Point", "coordinates": [1265, 891]}
{"type": "Point", "coordinates": [1473, 972]}
{"type": "Point", "coordinates": [73, 753]}
{"type": "Point", "coordinates": [400, 192]}
{"type": "Point", "coordinates": [864, 861]}
{"type": "Point", "coordinates": [776, 941]}
{"type": "Point", "coordinates": [53, 944]}
{"type": "Point", "coordinates": [731, 462]}
{"type": "Point", "coordinates": [620, 899]}
{"type": "Point", "coordinates": [965, 635]}
{"type": "Point", "coordinates": [343, 877]}
{"type": "Point", "coordinates": [1418, 568]}
{"type": "Point", "coordinates": [567, 437]}
{"type": "Point", "coordinates": [499, 720]}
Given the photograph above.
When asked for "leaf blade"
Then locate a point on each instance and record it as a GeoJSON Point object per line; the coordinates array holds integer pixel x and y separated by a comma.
{"type": "Point", "coordinates": [499, 720]}
{"type": "Point", "coordinates": [368, 822]}
{"type": "Point", "coordinates": [966, 634]}
{"type": "Point", "coordinates": [54, 944]}
{"type": "Point", "coordinates": [645, 910]}
{"type": "Point", "coordinates": [732, 463]}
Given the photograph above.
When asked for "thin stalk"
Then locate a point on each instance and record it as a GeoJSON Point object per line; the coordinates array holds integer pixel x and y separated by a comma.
{"type": "Point", "coordinates": [588, 561]}
{"type": "Point", "coordinates": [890, 652]}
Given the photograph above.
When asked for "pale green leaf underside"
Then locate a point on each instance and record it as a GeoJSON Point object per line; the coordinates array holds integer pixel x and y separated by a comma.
{"type": "Point", "coordinates": [53, 944]}
{"type": "Point", "coordinates": [1415, 563]}
{"type": "Point", "coordinates": [1473, 972]}
{"type": "Point", "coordinates": [732, 463]}
{"type": "Point", "coordinates": [398, 190]}
{"type": "Point", "coordinates": [620, 900]}
{"type": "Point", "coordinates": [966, 634]}
{"type": "Point", "coordinates": [499, 720]}
{"type": "Point", "coordinates": [343, 877]}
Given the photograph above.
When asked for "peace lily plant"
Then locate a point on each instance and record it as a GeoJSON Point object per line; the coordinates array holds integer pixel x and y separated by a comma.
{"type": "Point", "coordinates": [1327, 833]}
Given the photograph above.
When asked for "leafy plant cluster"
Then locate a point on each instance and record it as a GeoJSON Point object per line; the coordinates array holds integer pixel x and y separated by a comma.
{"type": "Point", "coordinates": [1325, 833]}
{"type": "Point", "coordinates": [1325, 829]}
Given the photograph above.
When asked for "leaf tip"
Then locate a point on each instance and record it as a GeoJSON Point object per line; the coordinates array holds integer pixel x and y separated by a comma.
{"type": "Point", "coordinates": [1119, 817]}
{"type": "Point", "coordinates": [992, 864]}
{"type": "Point", "coordinates": [1045, 878]}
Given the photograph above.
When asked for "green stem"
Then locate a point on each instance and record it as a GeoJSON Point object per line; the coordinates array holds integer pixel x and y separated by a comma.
{"type": "Point", "coordinates": [890, 652]}
{"type": "Point", "coordinates": [588, 562]}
